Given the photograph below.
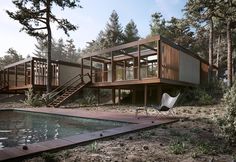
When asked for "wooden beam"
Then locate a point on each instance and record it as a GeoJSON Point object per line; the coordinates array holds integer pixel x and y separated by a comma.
{"type": "Point", "coordinates": [113, 95]}
{"type": "Point", "coordinates": [104, 58]}
{"type": "Point", "coordinates": [139, 77]}
{"type": "Point", "coordinates": [133, 96]}
{"type": "Point", "coordinates": [91, 67]}
{"type": "Point", "coordinates": [124, 46]}
{"type": "Point", "coordinates": [25, 72]}
{"type": "Point", "coordinates": [159, 94]}
{"type": "Point", "coordinates": [119, 96]}
{"type": "Point", "coordinates": [98, 96]}
{"type": "Point", "coordinates": [145, 94]}
{"type": "Point", "coordinates": [105, 73]}
{"type": "Point", "coordinates": [82, 69]}
{"type": "Point", "coordinates": [125, 53]}
{"type": "Point", "coordinates": [16, 75]}
{"type": "Point", "coordinates": [8, 77]}
{"type": "Point", "coordinates": [148, 47]}
{"type": "Point", "coordinates": [159, 53]}
{"type": "Point", "coordinates": [32, 73]}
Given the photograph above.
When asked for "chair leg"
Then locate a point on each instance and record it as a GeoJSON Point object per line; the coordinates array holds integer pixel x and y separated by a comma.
{"type": "Point", "coordinates": [146, 111]}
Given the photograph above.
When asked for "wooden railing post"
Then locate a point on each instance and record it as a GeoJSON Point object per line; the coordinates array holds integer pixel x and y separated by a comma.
{"type": "Point", "coordinates": [159, 58]}
{"type": "Point", "coordinates": [91, 67]}
{"type": "Point", "coordinates": [139, 77]}
{"type": "Point", "coordinates": [16, 76]}
{"type": "Point", "coordinates": [32, 72]}
{"type": "Point", "coordinates": [82, 69]}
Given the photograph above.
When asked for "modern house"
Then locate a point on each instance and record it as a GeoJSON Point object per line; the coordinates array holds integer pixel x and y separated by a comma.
{"type": "Point", "coordinates": [145, 68]}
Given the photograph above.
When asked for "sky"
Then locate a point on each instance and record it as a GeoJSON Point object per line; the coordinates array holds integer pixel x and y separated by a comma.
{"type": "Point", "coordinates": [90, 19]}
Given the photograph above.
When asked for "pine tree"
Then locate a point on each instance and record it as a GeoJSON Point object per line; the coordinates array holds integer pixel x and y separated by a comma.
{"type": "Point", "coordinates": [113, 31]}
{"type": "Point", "coordinates": [11, 56]}
{"type": "Point", "coordinates": [41, 48]}
{"type": "Point", "coordinates": [36, 16]}
{"type": "Point", "coordinates": [131, 32]}
{"type": "Point", "coordinates": [71, 52]}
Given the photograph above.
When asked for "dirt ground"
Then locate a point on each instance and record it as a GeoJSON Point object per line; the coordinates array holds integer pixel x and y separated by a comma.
{"type": "Point", "coordinates": [195, 139]}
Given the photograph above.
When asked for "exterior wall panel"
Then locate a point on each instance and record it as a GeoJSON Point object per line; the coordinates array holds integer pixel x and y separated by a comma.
{"type": "Point", "coordinates": [170, 62]}
{"type": "Point", "coordinates": [189, 69]}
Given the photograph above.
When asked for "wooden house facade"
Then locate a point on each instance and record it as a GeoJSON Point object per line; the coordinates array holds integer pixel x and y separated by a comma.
{"type": "Point", "coordinates": [145, 68]}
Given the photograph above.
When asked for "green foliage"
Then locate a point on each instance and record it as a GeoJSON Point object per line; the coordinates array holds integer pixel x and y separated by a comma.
{"type": "Point", "coordinates": [49, 157]}
{"type": "Point", "coordinates": [227, 124]}
{"type": "Point", "coordinates": [88, 98]}
{"type": "Point", "coordinates": [11, 57]}
{"type": "Point", "coordinates": [178, 147]}
{"type": "Point", "coordinates": [204, 95]}
{"type": "Point", "coordinates": [65, 51]}
{"type": "Point", "coordinates": [93, 147]}
{"type": "Point", "coordinates": [130, 32]}
{"type": "Point", "coordinates": [32, 99]}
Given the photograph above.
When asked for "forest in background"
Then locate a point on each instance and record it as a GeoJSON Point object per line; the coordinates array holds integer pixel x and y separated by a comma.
{"type": "Point", "coordinates": [207, 29]}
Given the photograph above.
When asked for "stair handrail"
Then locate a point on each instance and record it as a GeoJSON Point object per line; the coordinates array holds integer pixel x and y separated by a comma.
{"type": "Point", "coordinates": [56, 89]}
{"type": "Point", "coordinates": [47, 96]}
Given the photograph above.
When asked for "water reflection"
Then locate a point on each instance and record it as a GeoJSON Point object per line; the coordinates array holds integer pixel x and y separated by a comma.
{"type": "Point", "coordinates": [20, 128]}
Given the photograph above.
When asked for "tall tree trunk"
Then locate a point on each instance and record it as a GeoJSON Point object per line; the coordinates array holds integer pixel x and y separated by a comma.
{"type": "Point", "coordinates": [229, 51]}
{"type": "Point", "coordinates": [49, 67]}
{"type": "Point", "coordinates": [218, 53]}
{"type": "Point", "coordinates": [210, 50]}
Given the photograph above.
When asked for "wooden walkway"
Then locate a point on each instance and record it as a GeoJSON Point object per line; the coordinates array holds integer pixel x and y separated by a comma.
{"type": "Point", "coordinates": [141, 123]}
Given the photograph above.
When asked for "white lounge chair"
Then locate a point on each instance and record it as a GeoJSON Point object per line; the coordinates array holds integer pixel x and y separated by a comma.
{"type": "Point", "coordinates": [167, 104]}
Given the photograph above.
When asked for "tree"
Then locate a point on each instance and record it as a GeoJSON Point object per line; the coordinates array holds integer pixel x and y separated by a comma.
{"type": "Point", "coordinates": [198, 12]}
{"type": "Point", "coordinates": [36, 16]}
{"type": "Point", "coordinates": [60, 51]}
{"type": "Point", "coordinates": [41, 48]}
{"type": "Point", "coordinates": [71, 54]}
{"type": "Point", "coordinates": [113, 31]}
{"type": "Point", "coordinates": [158, 25]}
{"type": "Point", "coordinates": [11, 56]}
{"type": "Point", "coordinates": [131, 32]}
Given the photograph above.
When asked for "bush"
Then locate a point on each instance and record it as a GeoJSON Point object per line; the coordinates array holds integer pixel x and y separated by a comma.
{"type": "Point", "coordinates": [197, 96]}
{"type": "Point", "coordinates": [32, 99]}
{"type": "Point", "coordinates": [227, 124]}
{"type": "Point", "coordinates": [88, 98]}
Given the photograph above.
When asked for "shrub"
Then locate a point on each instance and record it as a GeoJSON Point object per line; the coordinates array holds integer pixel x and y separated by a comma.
{"type": "Point", "coordinates": [32, 99]}
{"type": "Point", "coordinates": [93, 147]}
{"type": "Point", "coordinates": [227, 124]}
{"type": "Point", "coordinates": [178, 147]}
{"type": "Point", "coordinates": [196, 96]}
{"type": "Point", "coordinates": [49, 157]}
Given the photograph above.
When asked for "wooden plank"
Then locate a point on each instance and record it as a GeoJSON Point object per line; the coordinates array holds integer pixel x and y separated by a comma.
{"type": "Point", "coordinates": [91, 67]}
{"type": "Point", "coordinates": [145, 94]}
{"type": "Point", "coordinates": [82, 69]}
{"type": "Point", "coordinates": [124, 46]}
{"type": "Point", "coordinates": [113, 95]}
{"type": "Point", "coordinates": [119, 96]}
{"type": "Point", "coordinates": [149, 47]}
{"type": "Point", "coordinates": [16, 75]}
{"type": "Point", "coordinates": [139, 77]}
{"type": "Point", "coordinates": [159, 53]}
{"type": "Point", "coordinates": [32, 73]}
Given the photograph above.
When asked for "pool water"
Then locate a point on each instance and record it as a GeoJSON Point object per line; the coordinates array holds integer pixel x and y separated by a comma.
{"type": "Point", "coordinates": [20, 127]}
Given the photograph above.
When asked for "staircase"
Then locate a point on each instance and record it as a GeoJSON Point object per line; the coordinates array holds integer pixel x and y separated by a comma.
{"type": "Point", "coordinates": [61, 94]}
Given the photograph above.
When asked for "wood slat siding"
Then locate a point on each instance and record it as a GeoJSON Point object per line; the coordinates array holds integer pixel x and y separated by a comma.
{"type": "Point", "coordinates": [204, 73]}
{"type": "Point", "coordinates": [170, 62]}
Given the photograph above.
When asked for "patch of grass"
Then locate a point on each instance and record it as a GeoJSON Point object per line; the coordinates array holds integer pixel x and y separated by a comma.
{"type": "Point", "coordinates": [178, 147]}
{"type": "Point", "coordinates": [49, 157]}
{"type": "Point", "coordinates": [195, 130]}
{"type": "Point", "coordinates": [93, 147]}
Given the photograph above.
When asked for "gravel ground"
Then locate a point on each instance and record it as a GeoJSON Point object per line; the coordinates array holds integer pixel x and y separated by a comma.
{"type": "Point", "coordinates": [195, 139]}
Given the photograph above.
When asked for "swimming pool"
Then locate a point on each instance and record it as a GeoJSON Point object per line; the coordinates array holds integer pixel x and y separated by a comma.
{"type": "Point", "coordinates": [21, 128]}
